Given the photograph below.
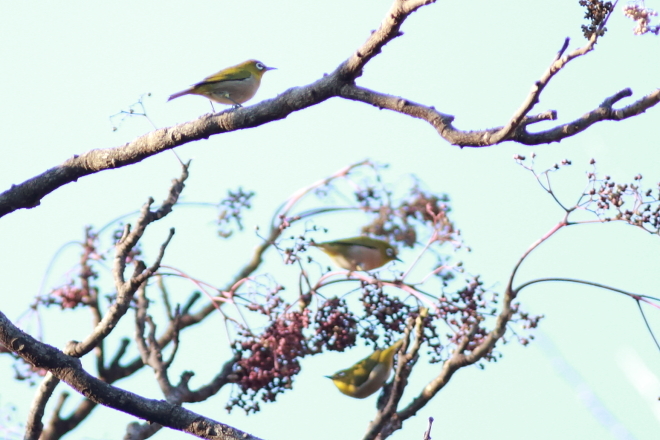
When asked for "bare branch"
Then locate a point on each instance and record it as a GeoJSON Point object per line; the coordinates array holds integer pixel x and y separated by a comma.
{"type": "Point", "coordinates": [340, 83]}
{"type": "Point", "coordinates": [34, 426]}
{"type": "Point", "coordinates": [442, 122]}
{"type": "Point", "coordinates": [533, 98]}
{"type": "Point", "coordinates": [386, 32]}
{"type": "Point", "coordinates": [387, 420]}
{"type": "Point", "coordinates": [137, 430]}
{"type": "Point", "coordinates": [165, 296]}
{"type": "Point", "coordinates": [121, 351]}
{"type": "Point", "coordinates": [604, 112]}
{"type": "Point", "coordinates": [69, 370]}
{"type": "Point", "coordinates": [116, 311]}
{"type": "Point", "coordinates": [140, 431]}
{"type": "Point", "coordinates": [585, 282]}
{"type": "Point", "coordinates": [459, 360]}
{"type": "Point", "coordinates": [126, 289]}
{"type": "Point", "coordinates": [104, 325]}
{"type": "Point", "coordinates": [29, 193]}
{"type": "Point", "coordinates": [220, 380]}
{"type": "Point", "coordinates": [563, 223]}
{"type": "Point", "coordinates": [58, 425]}
{"type": "Point", "coordinates": [638, 298]}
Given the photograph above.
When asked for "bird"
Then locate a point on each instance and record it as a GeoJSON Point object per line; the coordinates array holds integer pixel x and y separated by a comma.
{"type": "Point", "coordinates": [367, 376]}
{"type": "Point", "coordinates": [232, 86]}
{"type": "Point", "coordinates": [358, 253]}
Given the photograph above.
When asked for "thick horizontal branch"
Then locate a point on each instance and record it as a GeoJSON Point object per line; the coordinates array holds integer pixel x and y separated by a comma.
{"type": "Point", "coordinates": [69, 370]}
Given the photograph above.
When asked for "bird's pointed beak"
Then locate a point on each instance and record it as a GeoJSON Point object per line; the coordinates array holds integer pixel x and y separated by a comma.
{"type": "Point", "coordinates": [271, 68]}
{"type": "Point", "coordinates": [398, 259]}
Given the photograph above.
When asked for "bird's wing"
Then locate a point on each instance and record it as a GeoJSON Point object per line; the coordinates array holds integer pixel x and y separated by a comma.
{"type": "Point", "coordinates": [391, 350]}
{"type": "Point", "coordinates": [361, 371]}
{"type": "Point", "coordinates": [225, 76]}
{"type": "Point", "coordinates": [353, 242]}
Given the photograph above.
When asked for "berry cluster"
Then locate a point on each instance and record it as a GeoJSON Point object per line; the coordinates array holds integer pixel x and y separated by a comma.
{"type": "Point", "coordinates": [642, 16]}
{"type": "Point", "coordinates": [597, 12]}
{"type": "Point", "coordinates": [336, 326]}
{"type": "Point", "coordinates": [627, 202]}
{"type": "Point", "coordinates": [269, 361]}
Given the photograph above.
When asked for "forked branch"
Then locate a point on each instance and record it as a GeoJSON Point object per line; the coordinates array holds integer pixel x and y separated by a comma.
{"type": "Point", "coordinates": [340, 83]}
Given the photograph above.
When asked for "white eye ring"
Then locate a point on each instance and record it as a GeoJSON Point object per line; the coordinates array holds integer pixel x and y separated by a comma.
{"type": "Point", "coordinates": [389, 252]}
{"type": "Point", "coordinates": [260, 66]}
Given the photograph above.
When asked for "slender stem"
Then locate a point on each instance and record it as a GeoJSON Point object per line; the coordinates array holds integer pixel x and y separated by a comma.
{"type": "Point", "coordinates": [589, 283]}
{"type": "Point", "coordinates": [648, 326]}
{"type": "Point", "coordinates": [534, 245]}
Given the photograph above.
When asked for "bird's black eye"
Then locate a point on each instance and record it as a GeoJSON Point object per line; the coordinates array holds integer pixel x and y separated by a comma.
{"type": "Point", "coordinates": [260, 66]}
{"type": "Point", "coordinates": [390, 252]}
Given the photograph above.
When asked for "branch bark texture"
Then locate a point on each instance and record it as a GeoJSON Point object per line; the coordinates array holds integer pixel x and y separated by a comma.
{"type": "Point", "coordinates": [69, 370]}
{"type": "Point", "coordinates": [340, 83]}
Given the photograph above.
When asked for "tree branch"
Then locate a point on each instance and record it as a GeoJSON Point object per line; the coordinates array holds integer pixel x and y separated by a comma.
{"type": "Point", "coordinates": [69, 370]}
{"type": "Point", "coordinates": [104, 326]}
{"type": "Point", "coordinates": [29, 193]}
{"type": "Point", "coordinates": [34, 425]}
{"type": "Point", "coordinates": [387, 420]}
{"type": "Point", "coordinates": [388, 30]}
{"type": "Point", "coordinates": [340, 83]}
{"type": "Point", "coordinates": [126, 289]}
{"type": "Point", "coordinates": [442, 122]}
{"type": "Point", "coordinates": [136, 430]}
{"type": "Point", "coordinates": [58, 426]}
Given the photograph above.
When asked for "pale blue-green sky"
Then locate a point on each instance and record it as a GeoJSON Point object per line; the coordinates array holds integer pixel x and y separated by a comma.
{"type": "Point", "coordinates": [68, 67]}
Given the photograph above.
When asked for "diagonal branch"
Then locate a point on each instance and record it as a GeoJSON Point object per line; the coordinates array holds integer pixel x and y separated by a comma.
{"type": "Point", "coordinates": [34, 425]}
{"type": "Point", "coordinates": [126, 289]}
{"type": "Point", "coordinates": [534, 95]}
{"type": "Point", "coordinates": [339, 83]}
{"type": "Point", "coordinates": [389, 29]}
{"type": "Point", "coordinates": [183, 393]}
{"type": "Point", "coordinates": [29, 193]}
{"type": "Point", "coordinates": [69, 370]}
{"type": "Point", "coordinates": [387, 420]}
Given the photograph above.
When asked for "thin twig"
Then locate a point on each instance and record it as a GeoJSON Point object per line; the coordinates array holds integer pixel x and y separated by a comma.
{"type": "Point", "coordinates": [427, 433]}
{"type": "Point", "coordinates": [648, 326]}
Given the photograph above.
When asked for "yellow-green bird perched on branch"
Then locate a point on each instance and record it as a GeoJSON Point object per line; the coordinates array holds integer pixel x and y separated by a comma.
{"type": "Point", "coordinates": [358, 253]}
{"type": "Point", "coordinates": [367, 376]}
{"type": "Point", "coordinates": [232, 86]}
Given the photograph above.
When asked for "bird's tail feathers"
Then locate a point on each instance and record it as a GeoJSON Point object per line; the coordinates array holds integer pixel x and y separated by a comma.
{"type": "Point", "coordinates": [394, 347]}
{"type": "Point", "coordinates": [176, 95]}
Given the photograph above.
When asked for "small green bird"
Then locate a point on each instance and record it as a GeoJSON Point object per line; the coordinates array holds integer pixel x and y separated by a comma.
{"type": "Point", "coordinates": [359, 253]}
{"type": "Point", "coordinates": [232, 86]}
{"type": "Point", "coordinates": [367, 376]}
